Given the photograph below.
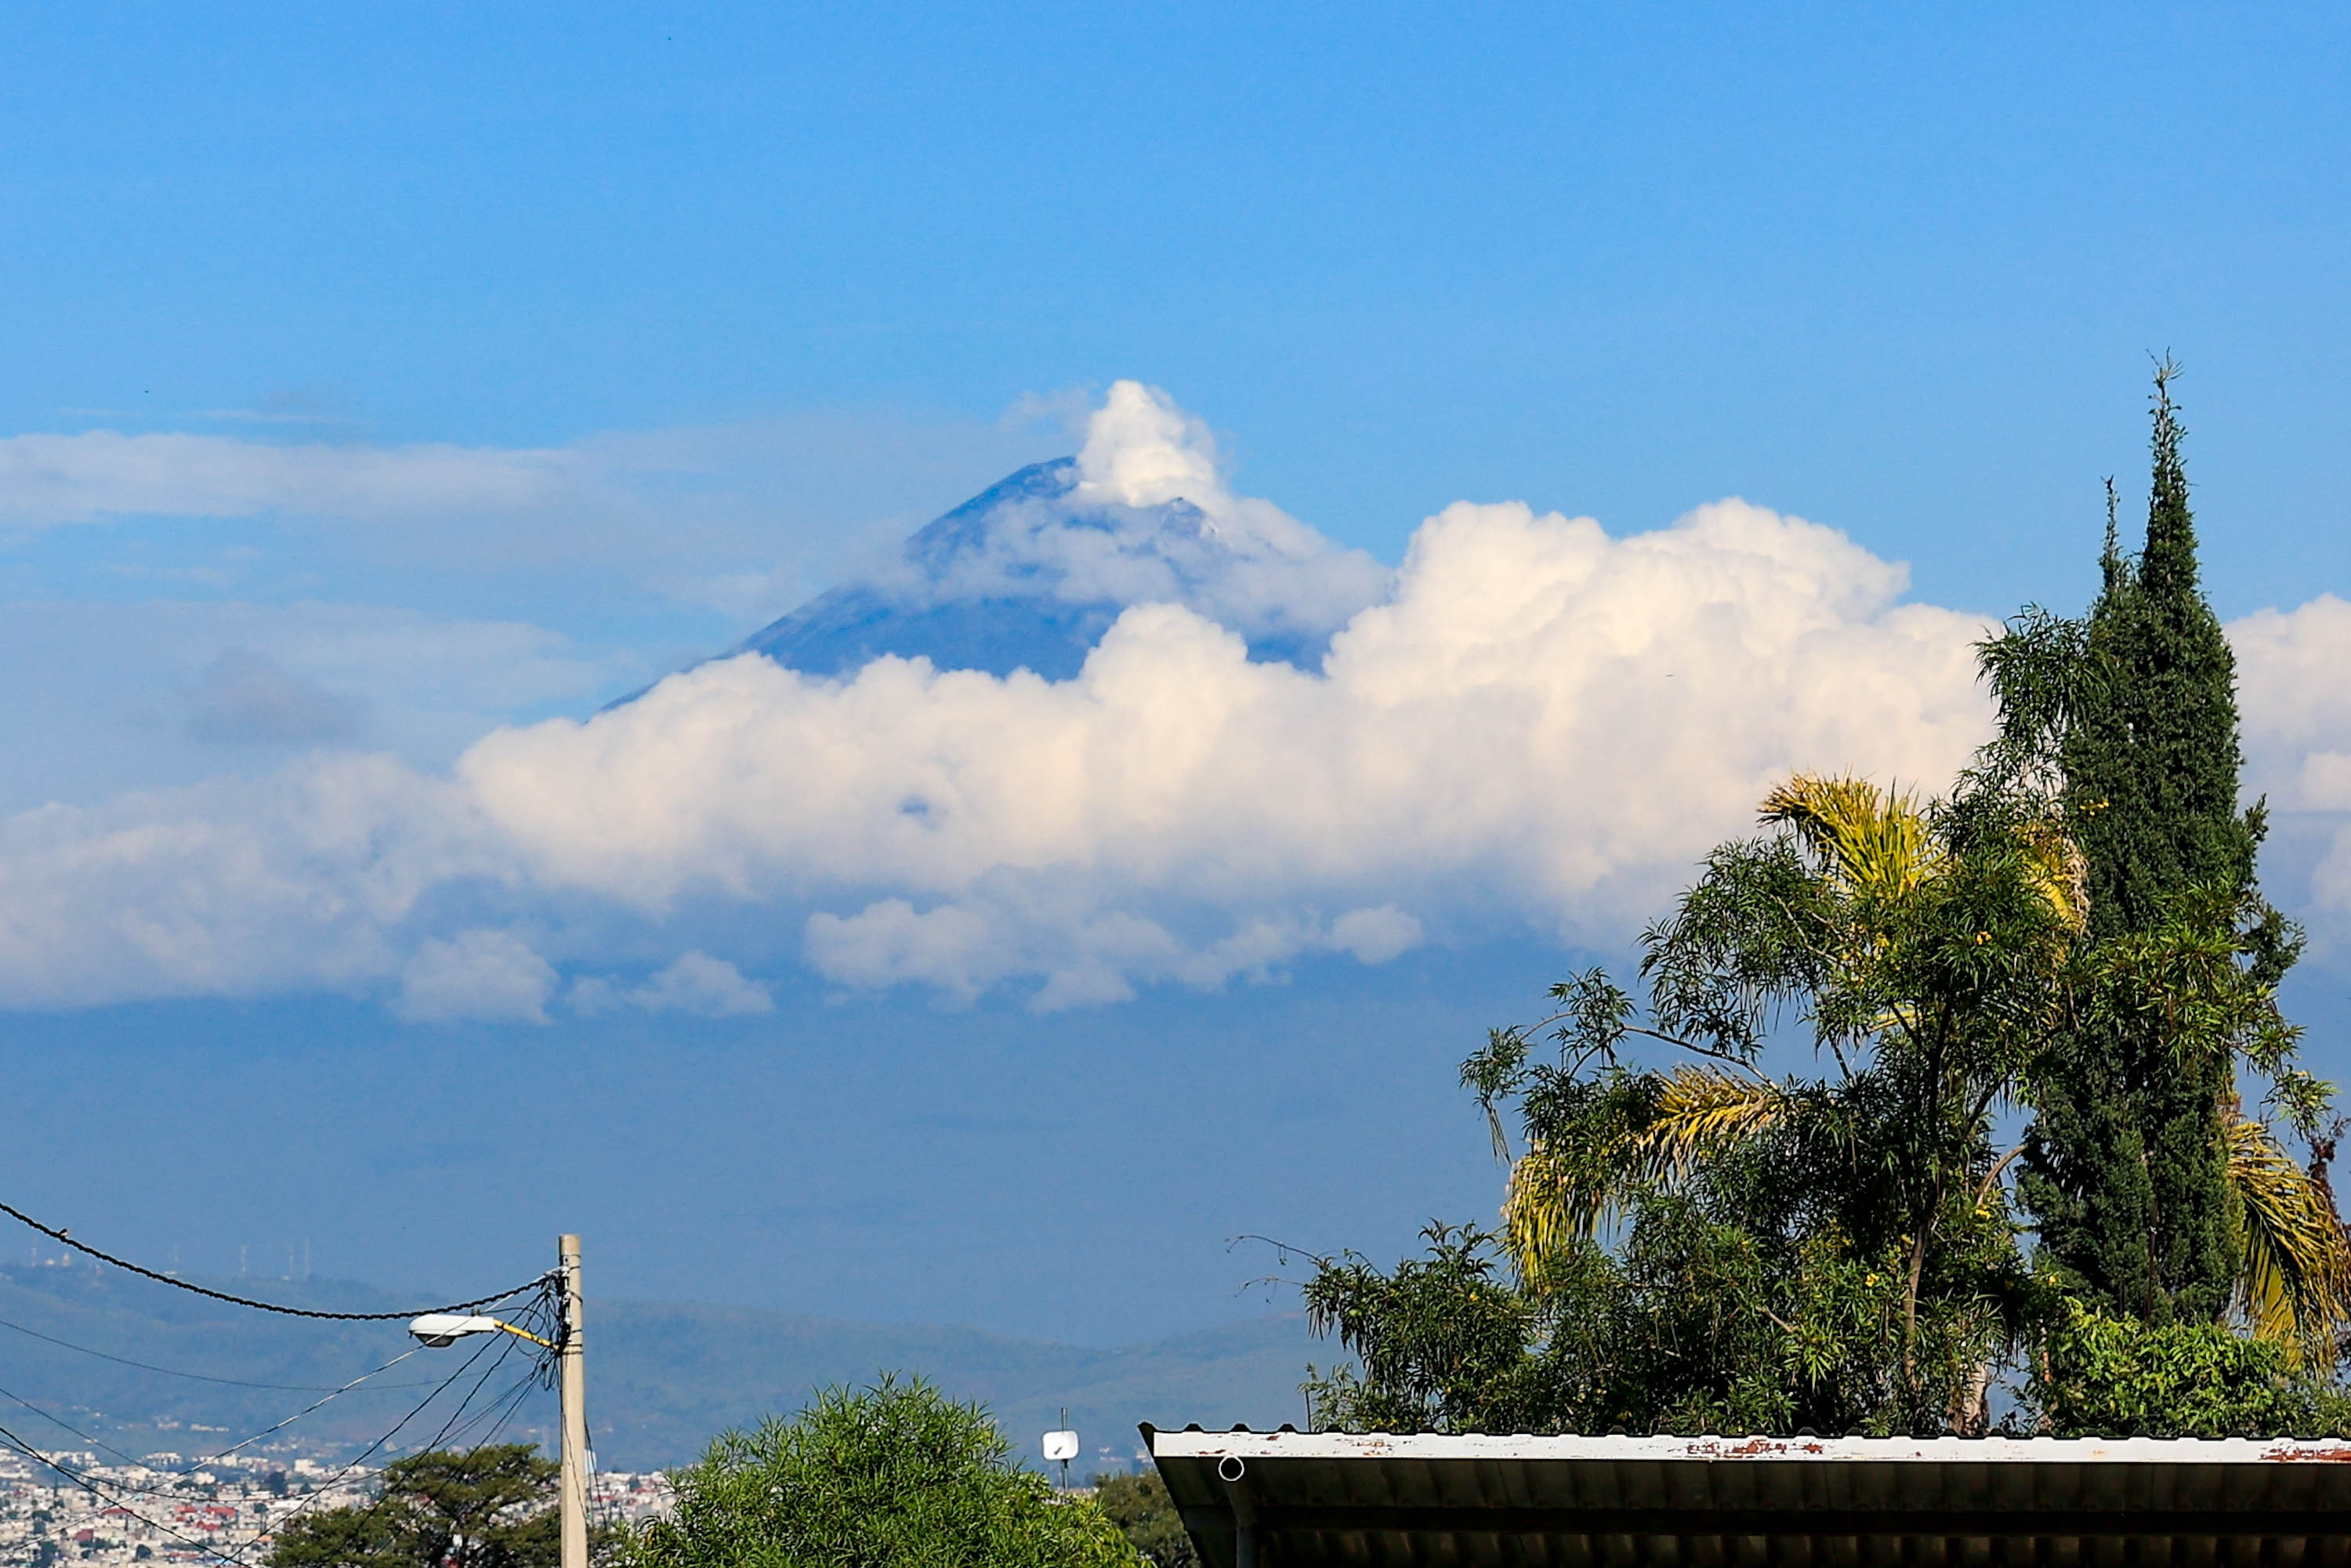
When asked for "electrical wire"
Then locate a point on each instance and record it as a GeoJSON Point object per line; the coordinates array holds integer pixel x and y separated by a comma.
{"type": "Point", "coordinates": [497, 1412]}
{"type": "Point", "coordinates": [346, 1389]}
{"type": "Point", "coordinates": [505, 1348]}
{"type": "Point", "coordinates": [193, 1466]}
{"type": "Point", "coordinates": [55, 1234]}
{"type": "Point", "coordinates": [9, 1439]}
{"type": "Point", "coordinates": [600, 1511]}
{"type": "Point", "coordinates": [174, 1372]}
{"type": "Point", "coordinates": [60, 1421]}
{"type": "Point", "coordinates": [457, 1415]}
{"type": "Point", "coordinates": [440, 1388]}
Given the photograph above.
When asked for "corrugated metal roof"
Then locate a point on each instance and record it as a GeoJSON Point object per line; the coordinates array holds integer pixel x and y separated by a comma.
{"type": "Point", "coordinates": [1265, 1500]}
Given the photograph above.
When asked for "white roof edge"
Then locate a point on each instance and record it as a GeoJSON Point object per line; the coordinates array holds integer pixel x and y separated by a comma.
{"type": "Point", "coordinates": [1963, 1451]}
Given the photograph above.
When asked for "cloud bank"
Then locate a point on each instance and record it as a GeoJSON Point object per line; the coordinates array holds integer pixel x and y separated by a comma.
{"type": "Point", "coordinates": [709, 505]}
{"type": "Point", "coordinates": [1532, 724]}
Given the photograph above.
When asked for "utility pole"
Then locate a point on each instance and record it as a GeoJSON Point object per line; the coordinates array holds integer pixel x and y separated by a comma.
{"type": "Point", "coordinates": [573, 1383]}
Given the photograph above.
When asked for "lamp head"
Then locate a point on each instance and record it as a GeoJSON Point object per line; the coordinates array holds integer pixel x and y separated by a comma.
{"type": "Point", "coordinates": [439, 1329]}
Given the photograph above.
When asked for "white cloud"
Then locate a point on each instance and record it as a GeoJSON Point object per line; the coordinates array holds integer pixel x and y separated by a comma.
{"type": "Point", "coordinates": [1142, 450]}
{"type": "Point", "coordinates": [2296, 708]}
{"type": "Point", "coordinates": [697, 984]}
{"type": "Point", "coordinates": [1375, 936]}
{"type": "Point", "coordinates": [475, 977]}
{"type": "Point", "coordinates": [1540, 710]}
{"type": "Point", "coordinates": [306, 879]}
{"type": "Point", "coordinates": [49, 479]}
{"type": "Point", "coordinates": [1536, 726]}
{"type": "Point", "coordinates": [741, 518]}
{"type": "Point", "coordinates": [1542, 721]}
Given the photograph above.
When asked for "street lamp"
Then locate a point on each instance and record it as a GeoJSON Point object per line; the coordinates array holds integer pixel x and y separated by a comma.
{"type": "Point", "coordinates": [440, 1328]}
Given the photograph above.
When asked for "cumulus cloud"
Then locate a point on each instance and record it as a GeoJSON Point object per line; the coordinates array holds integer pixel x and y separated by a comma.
{"type": "Point", "coordinates": [1087, 955]}
{"type": "Point", "coordinates": [697, 984]}
{"type": "Point", "coordinates": [1539, 720]}
{"type": "Point", "coordinates": [310, 879]}
{"type": "Point", "coordinates": [1537, 706]}
{"type": "Point", "coordinates": [475, 977]}
{"type": "Point", "coordinates": [2296, 708]}
{"type": "Point", "coordinates": [1532, 724]}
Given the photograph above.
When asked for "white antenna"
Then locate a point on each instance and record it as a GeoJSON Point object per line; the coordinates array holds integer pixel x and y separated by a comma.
{"type": "Point", "coordinates": [1062, 1446]}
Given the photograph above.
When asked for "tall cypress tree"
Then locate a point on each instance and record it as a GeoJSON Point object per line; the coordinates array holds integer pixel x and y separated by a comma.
{"type": "Point", "coordinates": [2126, 1168]}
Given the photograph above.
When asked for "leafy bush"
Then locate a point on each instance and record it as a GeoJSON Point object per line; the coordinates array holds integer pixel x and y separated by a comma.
{"type": "Point", "coordinates": [2109, 1375]}
{"type": "Point", "coordinates": [875, 1478]}
{"type": "Point", "coordinates": [1139, 1505]}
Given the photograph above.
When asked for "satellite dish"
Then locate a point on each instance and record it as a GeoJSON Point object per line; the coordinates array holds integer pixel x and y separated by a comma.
{"type": "Point", "coordinates": [1062, 1446]}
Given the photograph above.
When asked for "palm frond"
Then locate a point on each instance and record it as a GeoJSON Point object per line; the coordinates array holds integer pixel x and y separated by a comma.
{"type": "Point", "coordinates": [1700, 1110]}
{"type": "Point", "coordinates": [1873, 840]}
{"type": "Point", "coordinates": [2297, 1267]}
{"type": "Point", "coordinates": [1560, 1195]}
{"type": "Point", "coordinates": [2060, 872]}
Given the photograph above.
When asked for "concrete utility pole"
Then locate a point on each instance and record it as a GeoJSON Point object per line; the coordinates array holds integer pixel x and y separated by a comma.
{"type": "Point", "coordinates": [573, 1383]}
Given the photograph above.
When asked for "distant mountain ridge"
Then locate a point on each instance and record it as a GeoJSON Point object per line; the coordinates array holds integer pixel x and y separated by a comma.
{"type": "Point", "coordinates": [663, 1377]}
{"type": "Point", "coordinates": [1030, 573]}
{"type": "Point", "coordinates": [844, 629]}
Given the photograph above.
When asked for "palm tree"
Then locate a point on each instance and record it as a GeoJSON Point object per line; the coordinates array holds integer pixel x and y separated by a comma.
{"type": "Point", "coordinates": [2295, 1277]}
{"type": "Point", "coordinates": [1938, 954]}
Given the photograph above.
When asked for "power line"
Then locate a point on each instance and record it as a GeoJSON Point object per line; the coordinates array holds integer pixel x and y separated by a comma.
{"type": "Point", "coordinates": [439, 1389]}
{"type": "Point", "coordinates": [10, 1440]}
{"type": "Point", "coordinates": [346, 1389]}
{"type": "Point", "coordinates": [61, 1421]}
{"type": "Point", "coordinates": [174, 1372]}
{"type": "Point", "coordinates": [55, 1234]}
{"type": "Point", "coordinates": [192, 1467]}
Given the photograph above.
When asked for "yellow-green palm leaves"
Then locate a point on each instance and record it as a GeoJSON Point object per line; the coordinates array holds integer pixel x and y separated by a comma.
{"type": "Point", "coordinates": [1873, 841]}
{"type": "Point", "coordinates": [1561, 1195]}
{"type": "Point", "coordinates": [1877, 844]}
{"type": "Point", "coordinates": [2295, 1275]}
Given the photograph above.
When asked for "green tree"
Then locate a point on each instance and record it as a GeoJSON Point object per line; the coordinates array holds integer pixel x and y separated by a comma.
{"type": "Point", "coordinates": [1705, 1247]}
{"type": "Point", "coordinates": [2127, 1170]}
{"type": "Point", "coordinates": [875, 1478]}
{"type": "Point", "coordinates": [1927, 948]}
{"type": "Point", "coordinates": [493, 1507]}
{"type": "Point", "coordinates": [1139, 1505]}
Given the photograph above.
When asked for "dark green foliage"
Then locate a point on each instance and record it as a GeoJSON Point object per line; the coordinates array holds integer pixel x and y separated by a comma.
{"type": "Point", "coordinates": [492, 1507]}
{"type": "Point", "coordinates": [1139, 1505]}
{"type": "Point", "coordinates": [1831, 1251]}
{"type": "Point", "coordinates": [2100, 1375]}
{"type": "Point", "coordinates": [2126, 1172]}
{"type": "Point", "coordinates": [1692, 1326]}
{"type": "Point", "coordinates": [875, 1478]}
{"type": "Point", "coordinates": [1443, 1341]}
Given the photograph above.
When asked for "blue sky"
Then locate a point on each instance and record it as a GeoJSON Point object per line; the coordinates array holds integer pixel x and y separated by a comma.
{"type": "Point", "coordinates": [469, 367]}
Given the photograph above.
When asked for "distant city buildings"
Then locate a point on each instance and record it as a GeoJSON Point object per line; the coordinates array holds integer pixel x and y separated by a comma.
{"type": "Point", "coordinates": [226, 1513]}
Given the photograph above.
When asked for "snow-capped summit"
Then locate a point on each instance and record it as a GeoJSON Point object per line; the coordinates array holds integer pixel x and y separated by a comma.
{"type": "Point", "coordinates": [1030, 573]}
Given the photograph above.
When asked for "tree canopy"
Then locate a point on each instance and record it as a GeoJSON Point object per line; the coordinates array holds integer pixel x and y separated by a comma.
{"type": "Point", "coordinates": [893, 1476]}
{"type": "Point", "coordinates": [2128, 1171]}
{"type": "Point", "coordinates": [492, 1507]}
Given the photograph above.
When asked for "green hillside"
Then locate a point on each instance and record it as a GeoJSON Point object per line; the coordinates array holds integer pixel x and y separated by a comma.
{"type": "Point", "coordinates": [663, 1376]}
